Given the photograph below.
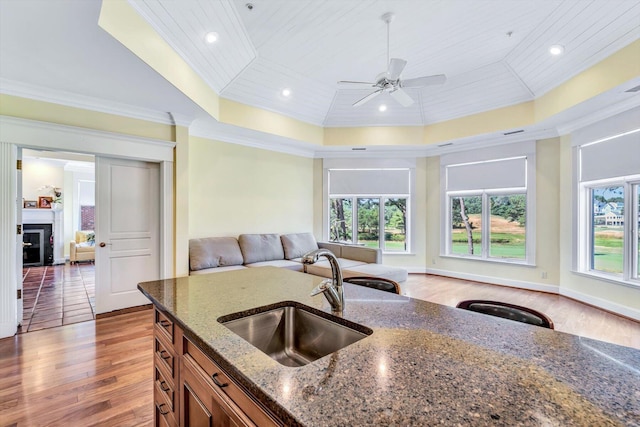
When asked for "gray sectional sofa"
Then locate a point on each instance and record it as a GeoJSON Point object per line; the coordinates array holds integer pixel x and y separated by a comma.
{"type": "Point", "coordinates": [215, 254]}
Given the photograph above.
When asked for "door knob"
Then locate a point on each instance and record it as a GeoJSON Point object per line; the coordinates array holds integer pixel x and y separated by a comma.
{"type": "Point", "coordinates": [103, 244]}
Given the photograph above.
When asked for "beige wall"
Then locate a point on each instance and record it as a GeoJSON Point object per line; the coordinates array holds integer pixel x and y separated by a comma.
{"type": "Point", "coordinates": [235, 189]}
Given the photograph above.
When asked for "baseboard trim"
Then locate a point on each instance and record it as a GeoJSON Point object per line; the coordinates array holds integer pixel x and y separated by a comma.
{"type": "Point", "coordinates": [124, 311]}
{"type": "Point", "coordinates": [532, 286]}
{"type": "Point", "coordinates": [603, 304]}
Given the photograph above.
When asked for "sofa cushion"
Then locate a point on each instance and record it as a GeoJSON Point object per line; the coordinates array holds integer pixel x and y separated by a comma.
{"type": "Point", "coordinates": [282, 263]}
{"type": "Point", "coordinates": [211, 252]}
{"type": "Point", "coordinates": [323, 268]}
{"type": "Point", "coordinates": [260, 247]}
{"type": "Point", "coordinates": [297, 244]}
{"type": "Point", "coordinates": [218, 269]}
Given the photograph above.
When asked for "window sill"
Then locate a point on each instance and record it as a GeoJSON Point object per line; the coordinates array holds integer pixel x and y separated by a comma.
{"type": "Point", "coordinates": [520, 263]}
{"type": "Point", "coordinates": [607, 278]}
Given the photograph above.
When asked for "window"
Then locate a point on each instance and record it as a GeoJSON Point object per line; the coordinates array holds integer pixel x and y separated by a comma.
{"type": "Point", "coordinates": [369, 206]}
{"type": "Point", "coordinates": [487, 200]}
{"type": "Point", "coordinates": [608, 209]}
{"type": "Point", "coordinates": [368, 219]}
{"type": "Point", "coordinates": [606, 222]}
{"type": "Point", "coordinates": [86, 202]}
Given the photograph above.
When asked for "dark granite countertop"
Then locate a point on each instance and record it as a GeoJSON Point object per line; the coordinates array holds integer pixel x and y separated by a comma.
{"type": "Point", "coordinates": [424, 364]}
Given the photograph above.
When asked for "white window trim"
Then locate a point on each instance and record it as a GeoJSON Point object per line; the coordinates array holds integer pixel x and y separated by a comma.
{"type": "Point", "coordinates": [489, 155]}
{"type": "Point", "coordinates": [584, 219]}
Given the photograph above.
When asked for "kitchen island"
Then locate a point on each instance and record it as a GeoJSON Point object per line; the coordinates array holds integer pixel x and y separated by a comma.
{"type": "Point", "coordinates": [424, 363]}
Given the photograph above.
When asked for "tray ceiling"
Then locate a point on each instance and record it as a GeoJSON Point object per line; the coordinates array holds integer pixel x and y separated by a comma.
{"type": "Point", "coordinates": [494, 53]}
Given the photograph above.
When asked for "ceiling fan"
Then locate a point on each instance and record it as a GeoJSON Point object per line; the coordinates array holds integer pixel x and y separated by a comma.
{"type": "Point", "coordinates": [389, 81]}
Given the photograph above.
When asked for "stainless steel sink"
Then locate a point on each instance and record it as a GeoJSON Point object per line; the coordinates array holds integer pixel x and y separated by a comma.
{"type": "Point", "coordinates": [293, 334]}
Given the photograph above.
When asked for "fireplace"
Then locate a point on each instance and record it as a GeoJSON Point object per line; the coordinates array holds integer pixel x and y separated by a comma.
{"type": "Point", "coordinates": [46, 248]}
{"type": "Point", "coordinates": [37, 244]}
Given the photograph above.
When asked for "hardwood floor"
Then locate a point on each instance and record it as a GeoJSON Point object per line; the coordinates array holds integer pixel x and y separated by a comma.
{"type": "Point", "coordinates": [568, 315]}
{"type": "Point", "coordinates": [84, 374]}
{"type": "Point", "coordinates": [100, 372]}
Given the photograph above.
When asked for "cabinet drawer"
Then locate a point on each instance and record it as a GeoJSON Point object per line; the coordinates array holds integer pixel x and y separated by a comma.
{"type": "Point", "coordinates": [225, 385]}
{"type": "Point", "coordinates": [165, 325]}
{"type": "Point", "coordinates": [162, 418]}
{"type": "Point", "coordinates": [165, 387]}
{"type": "Point", "coordinates": [164, 413]}
{"type": "Point", "coordinates": [164, 356]}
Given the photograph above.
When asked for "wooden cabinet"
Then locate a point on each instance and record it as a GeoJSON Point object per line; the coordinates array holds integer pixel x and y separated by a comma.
{"type": "Point", "coordinates": [166, 342]}
{"type": "Point", "coordinates": [191, 390]}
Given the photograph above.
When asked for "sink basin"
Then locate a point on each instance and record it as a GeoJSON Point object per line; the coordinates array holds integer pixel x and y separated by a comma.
{"type": "Point", "coordinates": [293, 334]}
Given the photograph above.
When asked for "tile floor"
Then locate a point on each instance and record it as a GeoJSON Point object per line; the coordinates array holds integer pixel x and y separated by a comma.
{"type": "Point", "coordinates": [56, 295]}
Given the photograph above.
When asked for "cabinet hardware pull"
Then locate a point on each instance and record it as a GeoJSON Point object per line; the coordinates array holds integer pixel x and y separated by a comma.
{"type": "Point", "coordinates": [160, 408]}
{"type": "Point", "coordinates": [165, 354]}
{"type": "Point", "coordinates": [217, 382]}
{"type": "Point", "coordinates": [163, 384]}
{"type": "Point", "coordinates": [165, 323]}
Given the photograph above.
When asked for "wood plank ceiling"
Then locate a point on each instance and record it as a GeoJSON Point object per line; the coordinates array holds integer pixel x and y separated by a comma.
{"type": "Point", "coordinates": [494, 53]}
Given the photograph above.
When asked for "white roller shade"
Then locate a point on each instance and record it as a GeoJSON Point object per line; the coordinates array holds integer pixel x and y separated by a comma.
{"type": "Point", "coordinates": [502, 173]}
{"type": "Point", "coordinates": [609, 159]}
{"type": "Point", "coordinates": [368, 182]}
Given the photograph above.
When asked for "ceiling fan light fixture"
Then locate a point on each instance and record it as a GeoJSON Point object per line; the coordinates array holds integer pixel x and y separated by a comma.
{"type": "Point", "coordinates": [211, 37]}
{"type": "Point", "coordinates": [556, 49]}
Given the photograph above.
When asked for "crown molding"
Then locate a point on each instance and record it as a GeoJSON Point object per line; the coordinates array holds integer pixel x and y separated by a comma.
{"type": "Point", "coordinates": [45, 94]}
{"type": "Point", "coordinates": [250, 138]}
{"type": "Point", "coordinates": [601, 114]}
{"type": "Point", "coordinates": [38, 135]}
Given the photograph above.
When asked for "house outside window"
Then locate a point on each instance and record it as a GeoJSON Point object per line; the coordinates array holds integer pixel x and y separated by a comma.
{"type": "Point", "coordinates": [369, 206]}
{"type": "Point", "coordinates": [488, 204]}
{"type": "Point", "coordinates": [608, 209]}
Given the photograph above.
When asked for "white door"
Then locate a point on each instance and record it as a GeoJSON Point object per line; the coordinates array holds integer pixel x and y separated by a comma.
{"type": "Point", "coordinates": [127, 231]}
{"type": "Point", "coordinates": [19, 241]}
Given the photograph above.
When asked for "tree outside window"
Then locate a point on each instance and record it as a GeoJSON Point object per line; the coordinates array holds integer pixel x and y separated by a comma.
{"type": "Point", "coordinates": [369, 213]}
{"type": "Point", "coordinates": [466, 225]}
{"type": "Point", "coordinates": [395, 225]}
{"type": "Point", "coordinates": [506, 234]}
{"type": "Point", "coordinates": [340, 219]}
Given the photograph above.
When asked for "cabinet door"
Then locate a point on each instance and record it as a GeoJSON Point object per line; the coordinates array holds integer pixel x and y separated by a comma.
{"type": "Point", "coordinates": [199, 405]}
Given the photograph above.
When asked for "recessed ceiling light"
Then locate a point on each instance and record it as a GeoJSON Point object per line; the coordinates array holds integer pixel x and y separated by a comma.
{"type": "Point", "coordinates": [556, 49]}
{"type": "Point", "coordinates": [382, 107]}
{"type": "Point", "coordinates": [211, 37]}
{"type": "Point", "coordinates": [286, 92]}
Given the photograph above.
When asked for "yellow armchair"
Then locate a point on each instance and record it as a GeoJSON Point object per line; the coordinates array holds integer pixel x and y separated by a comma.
{"type": "Point", "coordinates": [83, 247]}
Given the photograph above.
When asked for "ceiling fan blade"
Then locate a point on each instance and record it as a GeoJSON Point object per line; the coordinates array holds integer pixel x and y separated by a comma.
{"type": "Point", "coordinates": [396, 65]}
{"type": "Point", "coordinates": [402, 97]}
{"type": "Point", "coordinates": [437, 79]}
{"type": "Point", "coordinates": [367, 98]}
{"type": "Point", "coordinates": [356, 84]}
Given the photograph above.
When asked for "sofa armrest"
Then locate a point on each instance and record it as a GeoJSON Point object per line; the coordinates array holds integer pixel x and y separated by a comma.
{"type": "Point", "coordinates": [72, 251]}
{"type": "Point", "coordinates": [354, 252]}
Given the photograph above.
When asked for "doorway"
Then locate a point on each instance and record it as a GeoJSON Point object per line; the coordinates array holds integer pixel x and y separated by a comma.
{"type": "Point", "coordinates": [55, 291]}
{"type": "Point", "coordinates": [17, 132]}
